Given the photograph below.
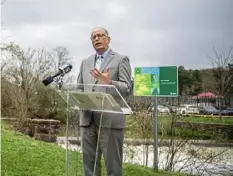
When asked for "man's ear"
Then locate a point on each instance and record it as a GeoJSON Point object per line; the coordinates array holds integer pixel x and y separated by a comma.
{"type": "Point", "coordinates": [109, 39]}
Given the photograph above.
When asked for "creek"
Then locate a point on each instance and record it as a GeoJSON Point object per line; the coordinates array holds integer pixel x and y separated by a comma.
{"type": "Point", "coordinates": [190, 159]}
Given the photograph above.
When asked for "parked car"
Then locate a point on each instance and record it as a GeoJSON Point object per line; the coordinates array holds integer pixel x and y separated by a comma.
{"type": "Point", "coordinates": [163, 109]}
{"type": "Point", "coordinates": [211, 110]}
{"type": "Point", "coordinates": [187, 109]}
{"type": "Point", "coordinates": [174, 108]}
{"type": "Point", "coordinates": [228, 112]}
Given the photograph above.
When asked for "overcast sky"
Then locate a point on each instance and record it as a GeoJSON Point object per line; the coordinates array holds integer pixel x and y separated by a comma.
{"type": "Point", "coordinates": [150, 32]}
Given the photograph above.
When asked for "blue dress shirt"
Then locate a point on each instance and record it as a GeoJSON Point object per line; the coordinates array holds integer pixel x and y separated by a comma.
{"type": "Point", "coordinates": [103, 55]}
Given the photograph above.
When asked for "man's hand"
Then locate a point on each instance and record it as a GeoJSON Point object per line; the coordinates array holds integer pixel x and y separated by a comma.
{"type": "Point", "coordinates": [103, 78]}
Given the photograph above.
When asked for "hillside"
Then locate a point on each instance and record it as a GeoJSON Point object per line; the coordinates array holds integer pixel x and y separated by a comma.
{"type": "Point", "coordinates": [24, 156]}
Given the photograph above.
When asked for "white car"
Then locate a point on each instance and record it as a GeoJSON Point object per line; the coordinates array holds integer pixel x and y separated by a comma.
{"type": "Point", "coordinates": [163, 109]}
{"type": "Point", "coordinates": [188, 109]}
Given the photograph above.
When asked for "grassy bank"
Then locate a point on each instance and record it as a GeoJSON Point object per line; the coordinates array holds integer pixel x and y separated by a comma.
{"type": "Point", "coordinates": [142, 127]}
{"type": "Point", "coordinates": [23, 156]}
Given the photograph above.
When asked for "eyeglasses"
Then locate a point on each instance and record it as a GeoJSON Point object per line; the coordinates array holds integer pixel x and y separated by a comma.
{"type": "Point", "coordinates": [97, 35]}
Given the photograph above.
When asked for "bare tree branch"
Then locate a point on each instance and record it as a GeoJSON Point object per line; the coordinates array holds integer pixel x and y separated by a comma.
{"type": "Point", "coordinates": [221, 76]}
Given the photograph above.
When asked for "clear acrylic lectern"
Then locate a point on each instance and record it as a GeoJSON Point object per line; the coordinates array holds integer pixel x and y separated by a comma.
{"type": "Point", "coordinates": [105, 106]}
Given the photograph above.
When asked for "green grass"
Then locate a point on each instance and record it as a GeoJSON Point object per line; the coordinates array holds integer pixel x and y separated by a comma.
{"type": "Point", "coordinates": [216, 120]}
{"type": "Point", "coordinates": [24, 156]}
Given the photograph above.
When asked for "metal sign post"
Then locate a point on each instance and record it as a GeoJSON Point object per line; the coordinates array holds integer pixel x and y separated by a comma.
{"type": "Point", "coordinates": [156, 134]}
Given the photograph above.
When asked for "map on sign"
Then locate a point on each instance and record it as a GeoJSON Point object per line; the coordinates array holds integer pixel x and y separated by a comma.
{"type": "Point", "coordinates": [156, 81]}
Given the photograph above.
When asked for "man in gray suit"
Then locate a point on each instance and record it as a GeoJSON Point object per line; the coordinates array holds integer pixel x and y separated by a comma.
{"type": "Point", "coordinates": [110, 68]}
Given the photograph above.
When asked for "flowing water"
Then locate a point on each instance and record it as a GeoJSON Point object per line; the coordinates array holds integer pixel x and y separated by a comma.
{"type": "Point", "coordinates": [191, 159]}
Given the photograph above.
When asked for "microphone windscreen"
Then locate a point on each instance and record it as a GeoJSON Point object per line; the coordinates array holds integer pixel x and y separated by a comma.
{"type": "Point", "coordinates": [48, 80]}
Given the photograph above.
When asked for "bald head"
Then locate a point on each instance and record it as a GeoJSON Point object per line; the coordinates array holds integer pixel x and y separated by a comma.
{"type": "Point", "coordinates": [100, 28]}
{"type": "Point", "coordinates": [100, 39]}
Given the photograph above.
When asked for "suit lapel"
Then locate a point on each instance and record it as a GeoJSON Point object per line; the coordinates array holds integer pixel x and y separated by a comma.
{"type": "Point", "coordinates": [107, 59]}
{"type": "Point", "coordinates": [92, 66]}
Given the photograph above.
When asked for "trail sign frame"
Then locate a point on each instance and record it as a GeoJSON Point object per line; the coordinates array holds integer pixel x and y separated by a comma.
{"type": "Point", "coordinates": [156, 81]}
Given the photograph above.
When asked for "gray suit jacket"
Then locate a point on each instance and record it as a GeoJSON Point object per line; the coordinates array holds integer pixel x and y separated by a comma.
{"type": "Point", "coordinates": [120, 72]}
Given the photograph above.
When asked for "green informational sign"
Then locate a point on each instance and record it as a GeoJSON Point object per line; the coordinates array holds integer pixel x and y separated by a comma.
{"type": "Point", "coordinates": [156, 81]}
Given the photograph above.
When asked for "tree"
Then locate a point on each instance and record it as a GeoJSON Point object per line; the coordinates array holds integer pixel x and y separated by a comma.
{"type": "Point", "coordinates": [230, 66]}
{"type": "Point", "coordinates": [197, 78]}
{"type": "Point", "coordinates": [221, 74]}
{"type": "Point", "coordinates": [181, 76]}
{"type": "Point", "coordinates": [22, 86]}
{"type": "Point", "coordinates": [190, 82]}
{"type": "Point", "coordinates": [61, 56]}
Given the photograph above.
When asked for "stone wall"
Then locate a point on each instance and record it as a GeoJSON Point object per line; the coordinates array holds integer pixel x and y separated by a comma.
{"type": "Point", "coordinates": [40, 129]}
{"type": "Point", "coordinates": [45, 130]}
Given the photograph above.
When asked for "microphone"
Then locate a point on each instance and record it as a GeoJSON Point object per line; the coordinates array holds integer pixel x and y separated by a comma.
{"type": "Point", "coordinates": [62, 71]}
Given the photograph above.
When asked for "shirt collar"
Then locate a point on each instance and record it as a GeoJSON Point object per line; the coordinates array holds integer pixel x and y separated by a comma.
{"type": "Point", "coordinates": [104, 54]}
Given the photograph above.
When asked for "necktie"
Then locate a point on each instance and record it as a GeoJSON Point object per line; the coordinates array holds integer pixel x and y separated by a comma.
{"type": "Point", "coordinates": [98, 62]}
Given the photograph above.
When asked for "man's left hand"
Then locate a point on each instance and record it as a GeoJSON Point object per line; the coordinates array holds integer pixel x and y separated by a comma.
{"type": "Point", "coordinates": [103, 78]}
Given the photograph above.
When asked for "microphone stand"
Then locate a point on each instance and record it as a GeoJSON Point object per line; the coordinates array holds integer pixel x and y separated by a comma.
{"type": "Point", "coordinates": [58, 80]}
{"type": "Point", "coordinates": [59, 83]}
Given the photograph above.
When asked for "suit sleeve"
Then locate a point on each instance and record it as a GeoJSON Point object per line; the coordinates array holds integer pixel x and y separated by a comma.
{"type": "Point", "coordinates": [80, 79]}
{"type": "Point", "coordinates": [124, 84]}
